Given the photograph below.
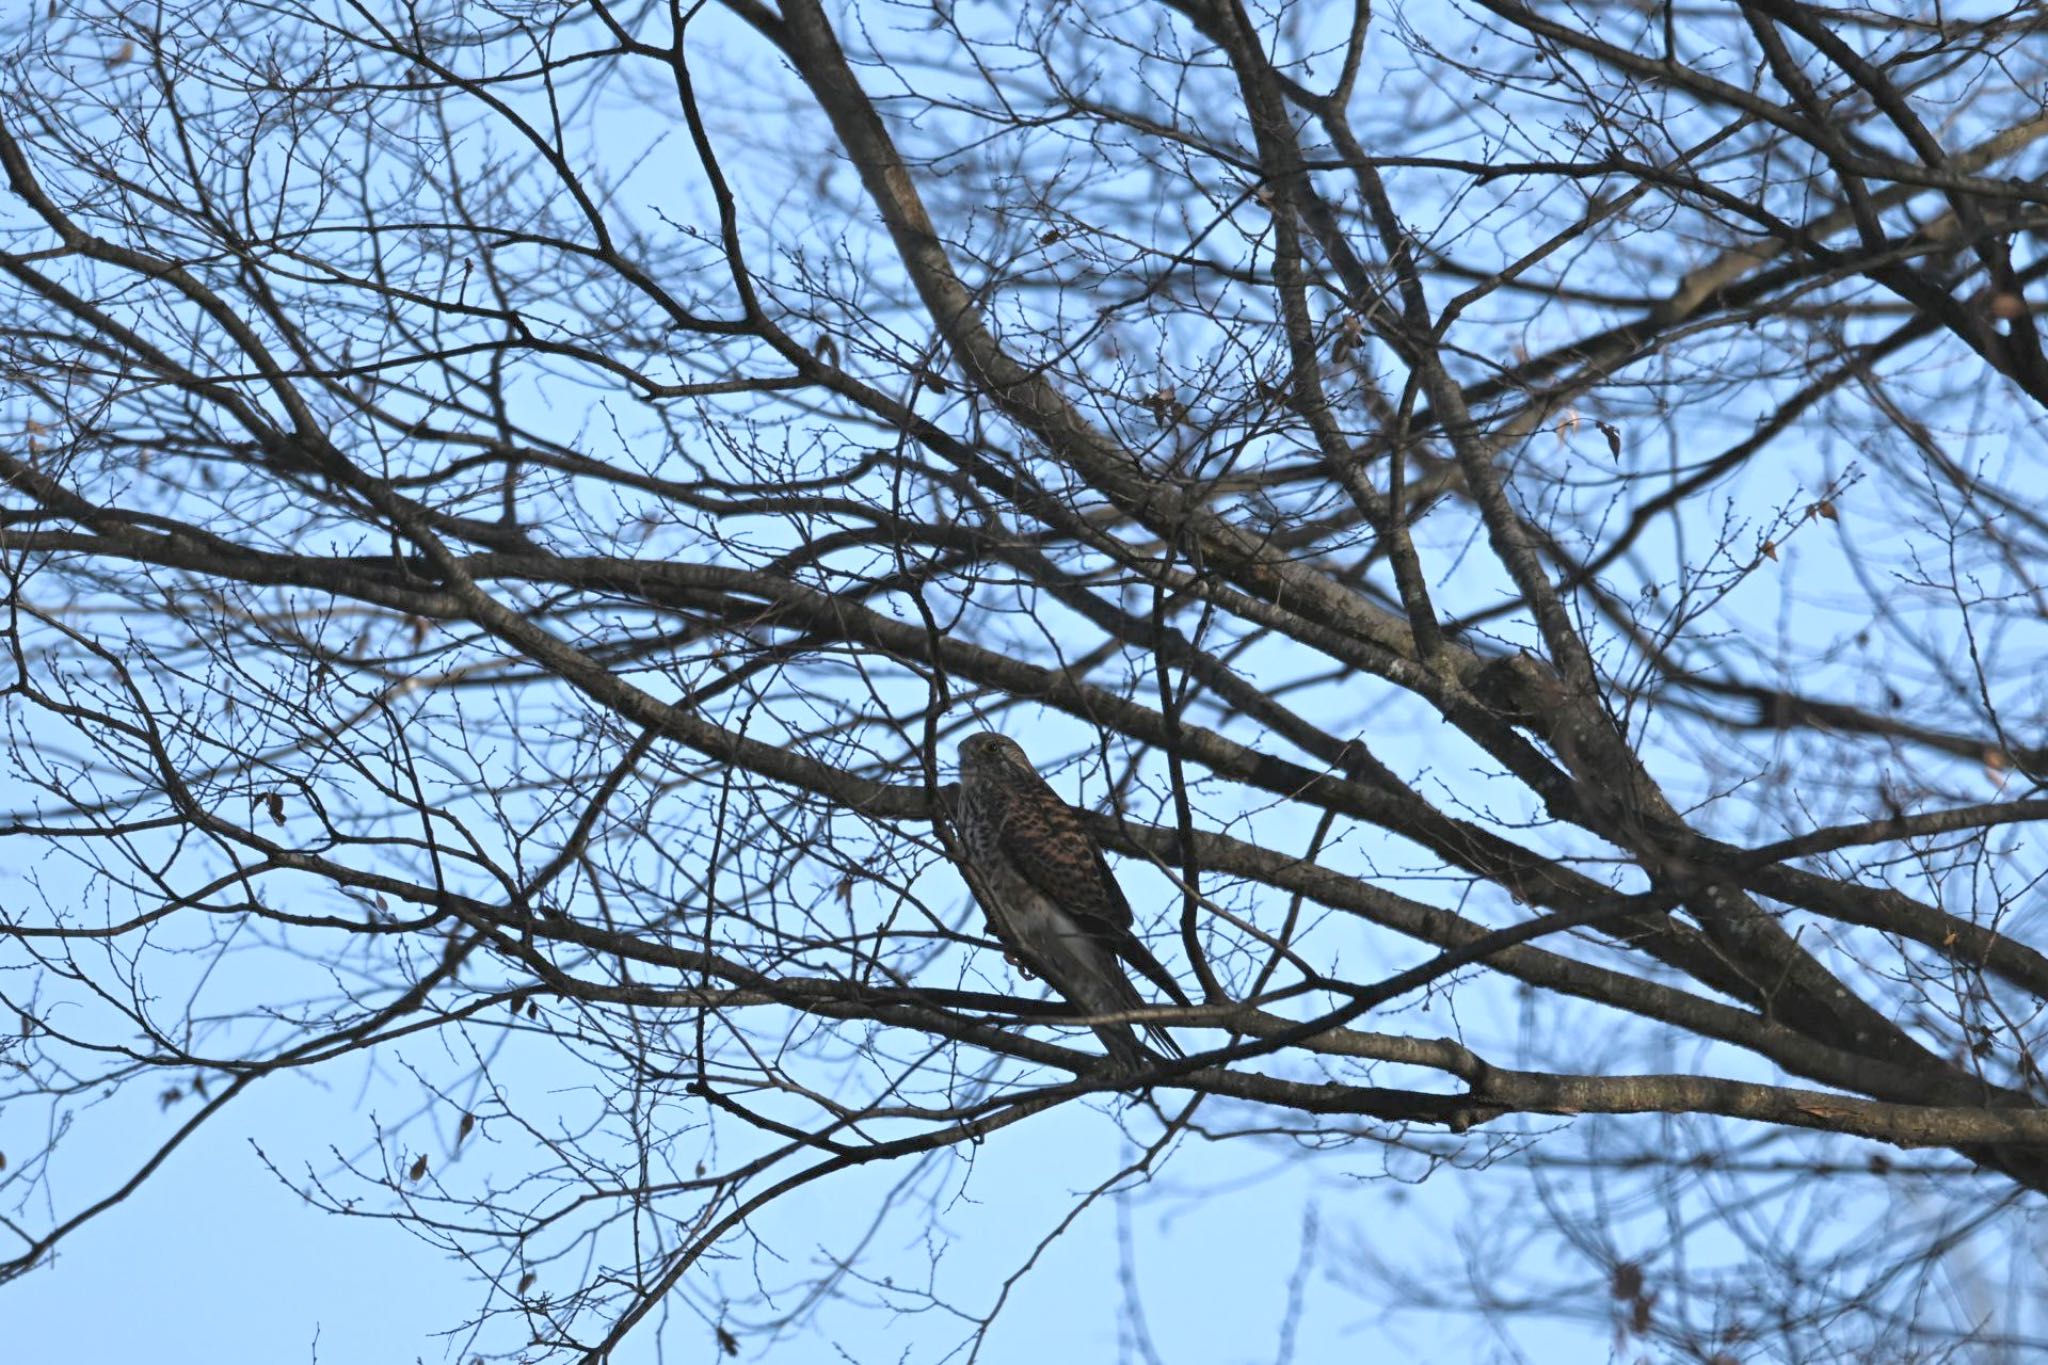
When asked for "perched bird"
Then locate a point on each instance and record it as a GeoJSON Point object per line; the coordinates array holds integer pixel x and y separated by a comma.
{"type": "Point", "coordinates": [1051, 896]}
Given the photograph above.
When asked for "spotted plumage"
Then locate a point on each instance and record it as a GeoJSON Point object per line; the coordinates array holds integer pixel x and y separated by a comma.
{"type": "Point", "coordinates": [1054, 899]}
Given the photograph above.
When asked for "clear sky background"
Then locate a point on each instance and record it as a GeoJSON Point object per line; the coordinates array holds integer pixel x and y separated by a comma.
{"type": "Point", "coordinates": [1253, 1249]}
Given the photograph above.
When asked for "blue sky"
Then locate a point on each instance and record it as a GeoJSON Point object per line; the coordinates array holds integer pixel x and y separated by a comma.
{"type": "Point", "coordinates": [218, 1258]}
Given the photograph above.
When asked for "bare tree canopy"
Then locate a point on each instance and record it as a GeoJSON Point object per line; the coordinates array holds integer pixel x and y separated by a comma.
{"type": "Point", "coordinates": [1508, 521]}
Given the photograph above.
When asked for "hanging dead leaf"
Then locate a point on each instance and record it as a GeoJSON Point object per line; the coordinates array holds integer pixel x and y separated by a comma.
{"type": "Point", "coordinates": [1164, 405]}
{"type": "Point", "coordinates": [1771, 550]}
{"type": "Point", "coordinates": [121, 54]}
{"type": "Point", "coordinates": [462, 1129]}
{"type": "Point", "coordinates": [276, 802]}
{"type": "Point", "coordinates": [1825, 510]}
{"type": "Point", "coordinates": [526, 1281]}
{"type": "Point", "coordinates": [728, 1343]}
{"type": "Point", "coordinates": [1350, 332]}
{"type": "Point", "coordinates": [1613, 435]}
{"type": "Point", "coordinates": [419, 1169]}
{"type": "Point", "coordinates": [1049, 236]}
{"type": "Point", "coordinates": [1567, 425]}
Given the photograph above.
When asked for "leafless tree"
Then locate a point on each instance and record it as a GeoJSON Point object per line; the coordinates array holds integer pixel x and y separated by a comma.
{"type": "Point", "coordinates": [1512, 519]}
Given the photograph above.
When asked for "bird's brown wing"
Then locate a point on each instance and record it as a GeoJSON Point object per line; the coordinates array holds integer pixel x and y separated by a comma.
{"type": "Point", "coordinates": [1046, 841]}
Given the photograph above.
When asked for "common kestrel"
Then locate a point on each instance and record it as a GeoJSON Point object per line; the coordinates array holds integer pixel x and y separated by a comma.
{"type": "Point", "coordinates": [1053, 899]}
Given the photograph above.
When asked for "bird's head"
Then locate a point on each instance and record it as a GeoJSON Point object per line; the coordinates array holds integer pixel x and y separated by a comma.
{"type": "Point", "coordinates": [990, 750]}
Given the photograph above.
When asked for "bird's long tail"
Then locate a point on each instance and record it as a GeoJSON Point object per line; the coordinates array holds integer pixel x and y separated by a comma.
{"type": "Point", "coordinates": [1128, 1049]}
